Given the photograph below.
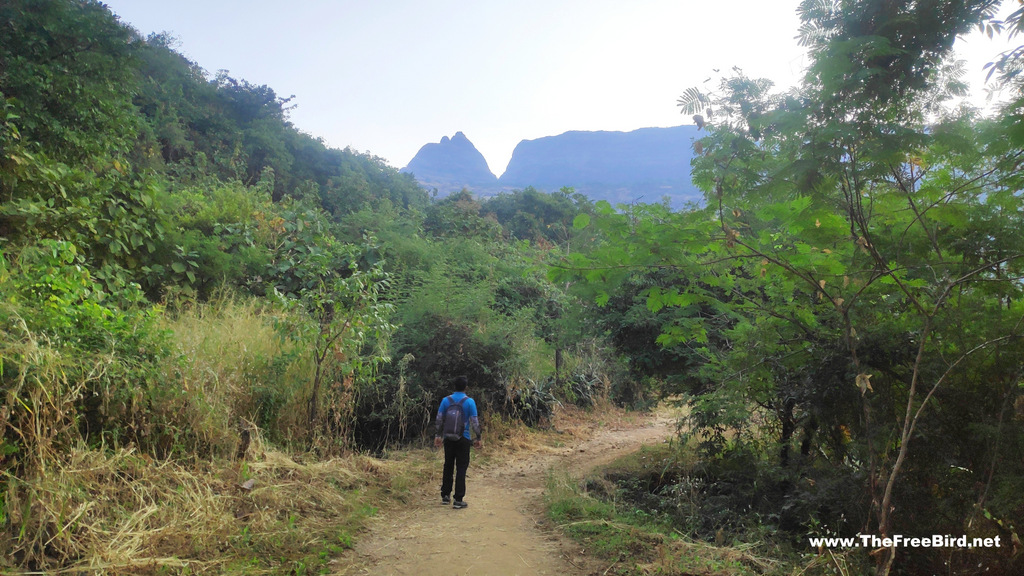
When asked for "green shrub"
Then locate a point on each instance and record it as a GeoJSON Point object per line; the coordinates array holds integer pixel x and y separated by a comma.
{"type": "Point", "coordinates": [75, 363]}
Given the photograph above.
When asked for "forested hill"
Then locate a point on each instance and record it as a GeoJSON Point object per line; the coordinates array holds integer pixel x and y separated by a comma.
{"type": "Point", "coordinates": [84, 86]}
{"type": "Point", "coordinates": [118, 120]}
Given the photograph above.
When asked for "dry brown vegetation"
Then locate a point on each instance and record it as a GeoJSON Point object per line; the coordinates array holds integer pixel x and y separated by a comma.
{"type": "Point", "coordinates": [186, 483]}
{"type": "Point", "coordinates": [122, 512]}
{"type": "Point", "coordinates": [270, 512]}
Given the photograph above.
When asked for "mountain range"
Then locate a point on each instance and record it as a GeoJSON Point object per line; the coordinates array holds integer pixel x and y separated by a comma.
{"type": "Point", "coordinates": [645, 165]}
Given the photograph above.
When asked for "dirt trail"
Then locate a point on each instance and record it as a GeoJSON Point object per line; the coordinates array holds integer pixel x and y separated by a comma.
{"type": "Point", "coordinates": [502, 532]}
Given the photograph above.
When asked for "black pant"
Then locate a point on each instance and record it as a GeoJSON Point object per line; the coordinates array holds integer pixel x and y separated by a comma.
{"type": "Point", "coordinates": [456, 459]}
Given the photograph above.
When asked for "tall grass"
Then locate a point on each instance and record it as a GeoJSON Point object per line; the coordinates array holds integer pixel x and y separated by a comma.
{"type": "Point", "coordinates": [239, 368]}
{"type": "Point", "coordinates": [122, 512]}
{"type": "Point", "coordinates": [152, 444]}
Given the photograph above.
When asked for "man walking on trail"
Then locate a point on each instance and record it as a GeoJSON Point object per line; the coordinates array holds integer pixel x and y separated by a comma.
{"type": "Point", "coordinates": [455, 418]}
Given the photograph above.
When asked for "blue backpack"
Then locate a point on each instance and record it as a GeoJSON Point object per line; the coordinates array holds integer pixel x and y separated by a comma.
{"type": "Point", "coordinates": [454, 423]}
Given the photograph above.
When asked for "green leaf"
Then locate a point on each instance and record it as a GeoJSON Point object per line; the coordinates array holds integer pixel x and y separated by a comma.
{"type": "Point", "coordinates": [581, 221]}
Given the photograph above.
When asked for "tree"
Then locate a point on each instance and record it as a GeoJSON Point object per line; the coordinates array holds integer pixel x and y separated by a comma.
{"type": "Point", "coordinates": [338, 288]}
{"type": "Point", "coordinates": [859, 264]}
{"type": "Point", "coordinates": [67, 69]}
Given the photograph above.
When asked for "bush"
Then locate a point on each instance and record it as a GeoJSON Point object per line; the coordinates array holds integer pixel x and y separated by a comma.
{"type": "Point", "coordinates": [75, 363]}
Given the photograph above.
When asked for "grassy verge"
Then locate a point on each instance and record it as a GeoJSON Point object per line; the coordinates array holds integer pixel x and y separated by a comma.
{"type": "Point", "coordinates": [119, 512]}
{"type": "Point", "coordinates": [628, 540]}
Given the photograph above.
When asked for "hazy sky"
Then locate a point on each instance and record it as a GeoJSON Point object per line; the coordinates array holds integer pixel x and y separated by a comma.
{"type": "Point", "coordinates": [387, 76]}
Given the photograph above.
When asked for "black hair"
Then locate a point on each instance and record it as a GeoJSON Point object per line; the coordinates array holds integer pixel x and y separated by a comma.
{"type": "Point", "coordinates": [460, 383]}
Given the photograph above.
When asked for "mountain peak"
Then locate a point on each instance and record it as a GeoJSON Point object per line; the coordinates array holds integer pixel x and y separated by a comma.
{"type": "Point", "coordinates": [646, 165]}
{"type": "Point", "coordinates": [450, 165]}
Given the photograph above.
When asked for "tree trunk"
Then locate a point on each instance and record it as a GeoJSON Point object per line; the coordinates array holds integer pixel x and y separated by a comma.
{"type": "Point", "coordinates": [313, 401]}
{"type": "Point", "coordinates": [558, 368]}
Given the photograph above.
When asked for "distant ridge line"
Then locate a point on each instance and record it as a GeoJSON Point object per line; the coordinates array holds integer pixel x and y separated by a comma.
{"type": "Point", "coordinates": [647, 165]}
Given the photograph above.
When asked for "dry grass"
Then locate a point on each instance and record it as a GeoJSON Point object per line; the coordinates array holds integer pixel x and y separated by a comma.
{"type": "Point", "coordinates": [232, 353]}
{"type": "Point", "coordinates": [67, 507]}
{"type": "Point", "coordinates": [506, 438]}
{"type": "Point", "coordinates": [691, 558]}
{"type": "Point", "coordinates": [581, 423]}
{"type": "Point", "coordinates": [118, 511]}
{"type": "Point", "coordinates": [124, 513]}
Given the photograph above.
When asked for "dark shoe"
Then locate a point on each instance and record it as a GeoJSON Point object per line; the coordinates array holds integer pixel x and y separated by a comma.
{"type": "Point", "coordinates": [460, 504]}
{"type": "Point", "coordinates": [446, 500]}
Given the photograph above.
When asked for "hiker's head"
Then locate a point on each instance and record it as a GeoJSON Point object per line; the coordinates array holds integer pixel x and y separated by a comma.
{"type": "Point", "coordinates": [459, 383]}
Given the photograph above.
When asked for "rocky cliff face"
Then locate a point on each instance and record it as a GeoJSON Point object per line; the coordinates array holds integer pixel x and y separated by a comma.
{"type": "Point", "coordinates": [644, 165]}
{"type": "Point", "coordinates": [451, 165]}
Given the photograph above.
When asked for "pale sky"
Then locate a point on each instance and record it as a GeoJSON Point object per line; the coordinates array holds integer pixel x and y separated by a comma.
{"type": "Point", "coordinates": [388, 76]}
